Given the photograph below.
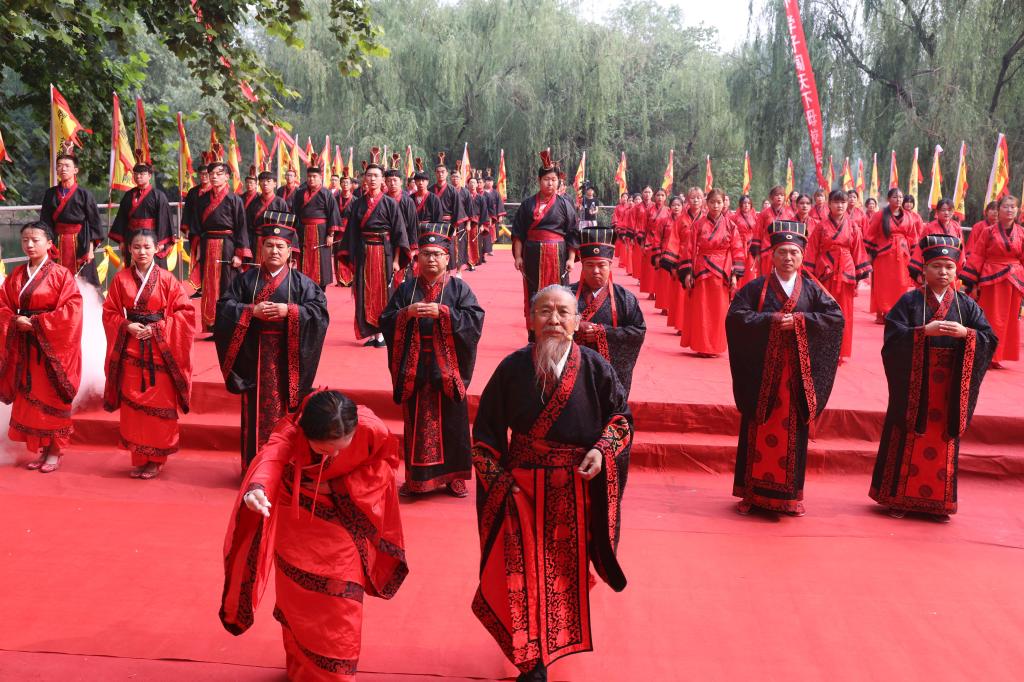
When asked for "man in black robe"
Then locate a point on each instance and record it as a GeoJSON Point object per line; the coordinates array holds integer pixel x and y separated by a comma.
{"type": "Point", "coordinates": [937, 348]}
{"type": "Point", "coordinates": [545, 235]}
{"type": "Point", "coordinates": [784, 331]}
{"type": "Point", "coordinates": [188, 208]}
{"type": "Point", "coordinates": [447, 193]}
{"type": "Point", "coordinates": [563, 470]}
{"type": "Point", "coordinates": [377, 248]}
{"type": "Point", "coordinates": [143, 208]}
{"type": "Point", "coordinates": [479, 220]}
{"type": "Point", "coordinates": [432, 326]}
{"type": "Point", "coordinates": [406, 206]}
{"type": "Point", "coordinates": [320, 224]}
{"type": "Point", "coordinates": [218, 219]}
{"type": "Point", "coordinates": [612, 322]}
{"type": "Point", "coordinates": [256, 211]}
{"type": "Point", "coordinates": [495, 209]}
{"type": "Point", "coordinates": [290, 186]}
{"type": "Point", "coordinates": [342, 272]}
{"type": "Point", "coordinates": [428, 206]}
{"type": "Point", "coordinates": [71, 213]}
{"type": "Point", "coordinates": [271, 324]}
{"type": "Point", "coordinates": [464, 225]}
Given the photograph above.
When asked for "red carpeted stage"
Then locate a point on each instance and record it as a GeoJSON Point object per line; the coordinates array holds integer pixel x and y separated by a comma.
{"type": "Point", "coordinates": [108, 578]}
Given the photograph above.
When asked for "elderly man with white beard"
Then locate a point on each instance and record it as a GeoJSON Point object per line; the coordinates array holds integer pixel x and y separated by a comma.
{"type": "Point", "coordinates": [549, 497]}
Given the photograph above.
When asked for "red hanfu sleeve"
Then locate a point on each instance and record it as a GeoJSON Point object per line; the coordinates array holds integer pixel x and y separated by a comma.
{"type": "Point", "coordinates": [115, 325]}
{"type": "Point", "coordinates": [8, 311]}
{"type": "Point", "coordinates": [59, 332]}
{"type": "Point", "coordinates": [174, 336]}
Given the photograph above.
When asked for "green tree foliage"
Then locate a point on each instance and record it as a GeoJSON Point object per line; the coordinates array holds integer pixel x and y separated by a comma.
{"type": "Point", "coordinates": [89, 48]}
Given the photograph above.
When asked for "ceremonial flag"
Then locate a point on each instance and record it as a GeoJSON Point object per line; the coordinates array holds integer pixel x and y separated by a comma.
{"type": "Point", "coordinates": [831, 177]}
{"type": "Point", "coordinates": [709, 177]}
{"type": "Point", "coordinates": [295, 161]}
{"type": "Point", "coordinates": [577, 182]}
{"type": "Point", "coordinates": [214, 142]}
{"type": "Point", "coordinates": [339, 165]}
{"type": "Point", "coordinates": [235, 160]}
{"type": "Point", "coordinates": [309, 149]}
{"type": "Point", "coordinates": [620, 175]}
{"type": "Point", "coordinates": [999, 177]}
{"type": "Point", "coordinates": [667, 178]}
{"type": "Point", "coordinates": [121, 158]}
{"type": "Point", "coordinates": [466, 169]}
{"type": "Point", "coordinates": [260, 152]}
{"type": "Point", "coordinates": [873, 190]}
{"type": "Point", "coordinates": [185, 171]}
{"type": "Point", "coordinates": [935, 194]}
{"type": "Point", "coordinates": [847, 175]}
{"type": "Point", "coordinates": [63, 126]}
{"type": "Point", "coordinates": [746, 173]}
{"type": "Point", "coordinates": [894, 175]}
{"type": "Point", "coordinates": [325, 156]}
{"type": "Point", "coordinates": [4, 156]}
{"type": "Point", "coordinates": [351, 165]}
{"type": "Point", "coordinates": [410, 167]}
{"type": "Point", "coordinates": [502, 183]}
{"type": "Point", "coordinates": [141, 132]}
{"type": "Point", "coordinates": [860, 178]}
{"type": "Point", "coordinates": [284, 160]}
{"type": "Point", "coordinates": [807, 85]}
{"type": "Point", "coordinates": [790, 180]}
{"type": "Point", "coordinates": [960, 189]}
{"type": "Point", "coordinates": [915, 177]}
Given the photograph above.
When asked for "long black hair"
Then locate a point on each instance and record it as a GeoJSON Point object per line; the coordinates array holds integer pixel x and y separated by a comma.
{"type": "Point", "coordinates": [328, 415]}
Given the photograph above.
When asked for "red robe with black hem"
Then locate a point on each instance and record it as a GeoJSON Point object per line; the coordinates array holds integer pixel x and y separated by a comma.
{"type": "Point", "coordinates": [890, 256]}
{"type": "Point", "coordinates": [713, 256]}
{"type": "Point", "coordinates": [317, 217]}
{"type": "Point", "coordinates": [836, 256]}
{"type": "Point", "coordinates": [219, 218]}
{"type": "Point", "coordinates": [950, 229]}
{"type": "Point", "coordinates": [781, 381]}
{"type": "Point", "coordinates": [40, 370]}
{"type": "Point", "coordinates": [255, 218]}
{"type": "Point", "coordinates": [150, 381]}
{"type": "Point", "coordinates": [334, 535]}
{"type": "Point", "coordinates": [745, 223]}
{"type": "Point", "coordinates": [143, 209]}
{"type": "Point", "coordinates": [537, 544]}
{"type": "Point", "coordinates": [995, 271]}
{"type": "Point", "coordinates": [760, 244]}
{"type": "Point", "coordinates": [640, 215]}
{"type": "Point", "coordinates": [547, 231]}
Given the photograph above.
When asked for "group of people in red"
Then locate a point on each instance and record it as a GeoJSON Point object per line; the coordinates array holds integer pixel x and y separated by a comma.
{"type": "Point", "coordinates": [691, 252]}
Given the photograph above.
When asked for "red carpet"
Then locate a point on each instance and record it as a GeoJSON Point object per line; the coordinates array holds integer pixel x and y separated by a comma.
{"type": "Point", "coordinates": [683, 406]}
{"type": "Point", "coordinates": [108, 578]}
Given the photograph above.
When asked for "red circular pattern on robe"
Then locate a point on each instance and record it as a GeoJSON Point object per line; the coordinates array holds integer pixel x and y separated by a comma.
{"type": "Point", "coordinates": [783, 462]}
{"type": "Point", "coordinates": [938, 376]}
{"type": "Point", "coordinates": [771, 440]}
{"type": "Point", "coordinates": [925, 491]}
{"type": "Point", "coordinates": [769, 476]}
{"type": "Point", "coordinates": [758, 456]}
{"type": "Point", "coordinates": [913, 469]}
{"type": "Point", "coordinates": [941, 475]}
{"type": "Point", "coordinates": [930, 453]}
{"type": "Point", "coordinates": [934, 415]}
{"type": "Point", "coordinates": [785, 423]}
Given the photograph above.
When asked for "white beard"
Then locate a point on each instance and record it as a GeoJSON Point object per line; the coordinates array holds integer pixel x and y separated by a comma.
{"type": "Point", "coordinates": [547, 352]}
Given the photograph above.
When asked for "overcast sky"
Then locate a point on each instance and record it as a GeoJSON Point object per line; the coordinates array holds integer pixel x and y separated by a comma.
{"type": "Point", "coordinates": [728, 16]}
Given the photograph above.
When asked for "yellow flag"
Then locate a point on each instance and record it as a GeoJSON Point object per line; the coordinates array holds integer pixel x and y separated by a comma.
{"type": "Point", "coordinates": [915, 178]}
{"type": "Point", "coordinates": [122, 160]}
{"type": "Point", "coordinates": [999, 177]}
{"type": "Point", "coordinates": [790, 180]}
{"type": "Point", "coordinates": [102, 266]}
{"type": "Point", "coordinates": [63, 127]}
{"type": "Point", "coordinates": [960, 189]}
{"type": "Point", "coordinates": [935, 194]}
{"type": "Point", "coordinates": [172, 256]}
{"type": "Point", "coordinates": [183, 252]}
{"type": "Point", "coordinates": [114, 258]}
{"type": "Point", "coordinates": [873, 190]}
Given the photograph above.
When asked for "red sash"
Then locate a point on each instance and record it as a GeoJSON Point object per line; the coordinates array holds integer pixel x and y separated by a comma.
{"type": "Point", "coordinates": [215, 199]}
{"type": "Point", "coordinates": [139, 197]}
{"type": "Point", "coordinates": [64, 202]}
{"type": "Point", "coordinates": [539, 215]}
{"type": "Point", "coordinates": [371, 206]}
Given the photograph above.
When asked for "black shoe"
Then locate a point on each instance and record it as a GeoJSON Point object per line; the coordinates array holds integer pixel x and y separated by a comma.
{"type": "Point", "coordinates": [371, 342]}
{"type": "Point", "coordinates": [538, 674]}
{"type": "Point", "coordinates": [198, 294]}
{"type": "Point", "coordinates": [381, 343]}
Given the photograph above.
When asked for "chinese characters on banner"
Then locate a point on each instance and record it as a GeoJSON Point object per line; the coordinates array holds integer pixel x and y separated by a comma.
{"type": "Point", "coordinates": [808, 88]}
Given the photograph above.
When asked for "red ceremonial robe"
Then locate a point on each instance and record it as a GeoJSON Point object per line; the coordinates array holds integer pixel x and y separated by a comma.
{"type": "Point", "coordinates": [620, 223]}
{"type": "Point", "coordinates": [547, 232]}
{"type": "Point", "coordinates": [40, 370]}
{"type": "Point", "coordinates": [950, 229]}
{"type": "Point", "coordinates": [835, 255]}
{"type": "Point", "coordinates": [143, 209]}
{"type": "Point", "coordinates": [339, 538]}
{"type": "Point", "coordinates": [343, 275]}
{"type": "Point", "coordinates": [220, 220]}
{"type": "Point", "coordinates": [682, 238]}
{"type": "Point", "coordinates": [255, 218]}
{"type": "Point", "coordinates": [73, 216]}
{"type": "Point", "coordinates": [318, 218]}
{"type": "Point", "coordinates": [745, 223]}
{"type": "Point", "coordinates": [760, 244]}
{"type": "Point", "coordinates": [149, 381]}
{"type": "Point", "coordinates": [664, 274]}
{"type": "Point", "coordinates": [537, 544]}
{"type": "Point", "coordinates": [890, 256]}
{"type": "Point", "coordinates": [713, 255]}
{"type": "Point", "coordinates": [641, 214]}
{"type": "Point", "coordinates": [995, 267]}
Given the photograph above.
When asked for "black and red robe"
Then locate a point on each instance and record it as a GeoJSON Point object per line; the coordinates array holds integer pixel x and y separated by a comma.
{"type": "Point", "coordinates": [431, 366]}
{"type": "Point", "coordinates": [342, 270]}
{"type": "Point", "coordinates": [375, 232]}
{"type": "Point", "coordinates": [143, 209]}
{"type": "Point", "coordinates": [933, 390]}
{"type": "Point", "coordinates": [620, 326]}
{"type": "Point", "coordinates": [73, 216]}
{"type": "Point", "coordinates": [537, 544]}
{"type": "Point", "coordinates": [547, 234]}
{"type": "Point", "coordinates": [480, 234]}
{"type": "Point", "coordinates": [452, 209]}
{"type": "Point", "coordinates": [272, 364]}
{"type": "Point", "coordinates": [781, 381]}
{"type": "Point", "coordinates": [428, 208]}
{"type": "Point", "coordinates": [495, 211]}
{"type": "Point", "coordinates": [317, 216]}
{"type": "Point", "coordinates": [219, 219]}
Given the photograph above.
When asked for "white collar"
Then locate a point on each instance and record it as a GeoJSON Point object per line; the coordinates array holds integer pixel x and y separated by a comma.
{"type": "Point", "coordinates": [938, 297]}
{"type": "Point", "coordinates": [278, 272]}
{"type": "Point", "coordinates": [565, 357]}
{"type": "Point", "coordinates": [787, 284]}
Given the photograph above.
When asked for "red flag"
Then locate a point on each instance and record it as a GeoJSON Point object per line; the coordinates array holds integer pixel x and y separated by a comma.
{"type": "Point", "coordinates": [502, 183]}
{"type": "Point", "coordinates": [235, 160]}
{"type": "Point", "coordinates": [4, 156]}
{"type": "Point", "coordinates": [894, 175]}
{"type": "Point", "coordinates": [808, 87]}
{"type": "Point", "coordinates": [669, 177]}
{"type": "Point", "coordinates": [620, 175]}
{"type": "Point", "coordinates": [860, 178]}
{"type": "Point", "coordinates": [141, 133]}
{"type": "Point", "coordinates": [709, 177]}
{"type": "Point", "coordinates": [185, 170]}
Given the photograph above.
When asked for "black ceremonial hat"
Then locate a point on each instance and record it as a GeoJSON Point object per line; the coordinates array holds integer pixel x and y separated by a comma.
{"type": "Point", "coordinates": [437, 234]}
{"type": "Point", "coordinates": [788, 232]}
{"type": "Point", "coordinates": [935, 246]}
{"type": "Point", "coordinates": [281, 225]}
{"type": "Point", "coordinates": [597, 242]}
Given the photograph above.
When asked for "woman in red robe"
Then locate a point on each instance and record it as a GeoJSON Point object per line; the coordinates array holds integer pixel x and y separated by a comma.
{"type": "Point", "coordinates": [668, 262]}
{"type": "Point", "coordinates": [41, 355]}
{"type": "Point", "coordinates": [836, 256]}
{"type": "Point", "coordinates": [995, 266]}
{"type": "Point", "coordinates": [745, 220]}
{"type": "Point", "coordinates": [641, 214]}
{"type": "Point", "coordinates": [889, 238]}
{"type": "Point", "coordinates": [805, 214]}
{"type": "Point", "coordinates": [321, 500]}
{"type": "Point", "coordinates": [658, 216]}
{"type": "Point", "coordinates": [991, 217]}
{"type": "Point", "coordinates": [714, 265]}
{"type": "Point", "coordinates": [620, 223]}
{"type": "Point", "coordinates": [776, 210]}
{"type": "Point", "coordinates": [683, 234]}
{"type": "Point", "coordinates": [150, 324]}
{"type": "Point", "coordinates": [942, 225]}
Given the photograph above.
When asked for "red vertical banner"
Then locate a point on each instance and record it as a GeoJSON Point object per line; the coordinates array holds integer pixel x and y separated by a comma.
{"type": "Point", "coordinates": [808, 88]}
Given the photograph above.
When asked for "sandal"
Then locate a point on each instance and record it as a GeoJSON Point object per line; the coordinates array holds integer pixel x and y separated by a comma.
{"type": "Point", "coordinates": [136, 472]}
{"type": "Point", "coordinates": [50, 468]}
{"type": "Point", "coordinates": [36, 463]}
{"type": "Point", "coordinates": [896, 513]}
{"type": "Point", "coordinates": [149, 474]}
{"type": "Point", "coordinates": [743, 508]}
{"type": "Point", "coordinates": [457, 488]}
{"type": "Point", "coordinates": [798, 510]}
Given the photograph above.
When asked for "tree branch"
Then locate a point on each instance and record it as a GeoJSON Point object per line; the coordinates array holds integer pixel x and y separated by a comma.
{"type": "Point", "coordinates": [1004, 66]}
